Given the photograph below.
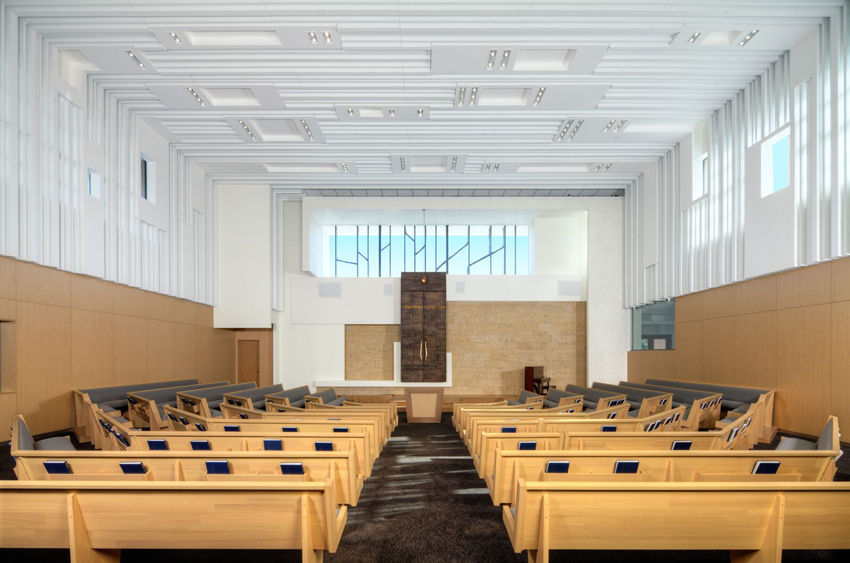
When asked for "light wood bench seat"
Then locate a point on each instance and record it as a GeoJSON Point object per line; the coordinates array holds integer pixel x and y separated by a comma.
{"type": "Point", "coordinates": [754, 521]}
{"type": "Point", "coordinates": [468, 415]}
{"type": "Point", "coordinates": [254, 398]}
{"type": "Point", "coordinates": [703, 408]}
{"type": "Point", "coordinates": [573, 405]}
{"type": "Point", "coordinates": [206, 402]}
{"type": "Point", "coordinates": [653, 466]}
{"type": "Point", "coordinates": [137, 440]}
{"type": "Point", "coordinates": [95, 520]}
{"type": "Point", "coordinates": [146, 407]}
{"type": "Point", "coordinates": [192, 466]}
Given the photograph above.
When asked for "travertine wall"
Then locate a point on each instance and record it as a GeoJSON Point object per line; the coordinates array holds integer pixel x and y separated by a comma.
{"type": "Point", "coordinates": [369, 351]}
{"type": "Point", "coordinates": [490, 343]}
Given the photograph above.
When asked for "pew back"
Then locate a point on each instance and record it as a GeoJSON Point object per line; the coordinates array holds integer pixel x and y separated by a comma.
{"type": "Point", "coordinates": [203, 401]}
{"type": "Point", "coordinates": [145, 406]}
{"type": "Point", "coordinates": [252, 398]}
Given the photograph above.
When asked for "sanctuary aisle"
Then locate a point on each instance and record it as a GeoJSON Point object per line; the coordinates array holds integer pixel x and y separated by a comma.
{"type": "Point", "coordinates": [424, 503]}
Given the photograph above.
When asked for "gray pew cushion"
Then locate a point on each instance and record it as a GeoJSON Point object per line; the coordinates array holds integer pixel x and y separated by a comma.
{"type": "Point", "coordinates": [825, 438]}
{"type": "Point", "coordinates": [514, 403]}
{"type": "Point", "coordinates": [555, 395]}
{"type": "Point", "coordinates": [338, 401]}
{"type": "Point", "coordinates": [25, 441]}
{"type": "Point", "coordinates": [215, 412]}
{"type": "Point", "coordinates": [299, 403]}
{"type": "Point", "coordinates": [742, 409]}
{"type": "Point", "coordinates": [524, 396]}
{"type": "Point", "coordinates": [633, 414]}
{"type": "Point", "coordinates": [795, 444]}
{"type": "Point", "coordinates": [107, 409]}
{"type": "Point", "coordinates": [116, 404]}
{"type": "Point", "coordinates": [634, 404]}
{"type": "Point", "coordinates": [59, 443]}
{"type": "Point", "coordinates": [589, 405]}
{"type": "Point", "coordinates": [548, 404]}
{"type": "Point", "coordinates": [327, 395]}
{"type": "Point", "coordinates": [730, 405]}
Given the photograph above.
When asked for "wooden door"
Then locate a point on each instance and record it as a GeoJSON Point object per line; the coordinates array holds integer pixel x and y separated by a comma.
{"type": "Point", "coordinates": [412, 342]}
{"type": "Point", "coordinates": [435, 336]}
{"type": "Point", "coordinates": [248, 361]}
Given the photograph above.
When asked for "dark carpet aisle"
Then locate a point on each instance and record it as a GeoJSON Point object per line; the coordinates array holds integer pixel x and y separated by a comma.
{"type": "Point", "coordinates": [423, 504]}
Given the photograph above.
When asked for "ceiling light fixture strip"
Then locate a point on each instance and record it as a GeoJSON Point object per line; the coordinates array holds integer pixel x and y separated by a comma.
{"type": "Point", "coordinates": [749, 36]}
{"type": "Point", "coordinates": [197, 97]}
{"type": "Point", "coordinates": [307, 129]}
{"type": "Point", "coordinates": [539, 95]}
{"type": "Point", "coordinates": [247, 129]}
{"type": "Point", "coordinates": [133, 56]}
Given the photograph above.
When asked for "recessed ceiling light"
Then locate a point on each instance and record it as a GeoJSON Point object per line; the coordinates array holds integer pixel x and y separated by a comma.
{"type": "Point", "coordinates": [392, 112]}
{"type": "Point", "coordinates": [565, 126]}
{"type": "Point", "coordinates": [454, 164]}
{"type": "Point", "coordinates": [328, 38]}
{"type": "Point", "coordinates": [609, 125]}
{"type": "Point", "coordinates": [749, 36]}
{"type": "Point", "coordinates": [135, 58]}
{"type": "Point", "coordinates": [496, 168]}
{"type": "Point", "coordinates": [598, 167]}
{"type": "Point", "coordinates": [175, 37]}
{"type": "Point", "coordinates": [539, 96]}
{"type": "Point", "coordinates": [313, 38]}
{"type": "Point", "coordinates": [402, 164]}
{"type": "Point", "coordinates": [472, 95]}
{"type": "Point", "coordinates": [344, 167]}
{"type": "Point", "coordinates": [607, 166]}
{"type": "Point", "coordinates": [694, 37]}
{"type": "Point", "coordinates": [487, 168]}
{"type": "Point", "coordinates": [505, 57]}
{"type": "Point", "coordinates": [461, 96]}
{"type": "Point", "coordinates": [620, 126]}
{"type": "Point", "coordinates": [198, 98]}
{"type": "Point", "coordinates": [419, 113]}
{"type": "Point", "coordinates": [350, 112]}
{"type": "Point", "coordinates": [491, 60]}
{"type": "Point", "coordinates": [577, 127]}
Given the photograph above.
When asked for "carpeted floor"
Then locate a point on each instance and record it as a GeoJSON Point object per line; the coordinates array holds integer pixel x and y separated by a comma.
{"type": "Point", "coordinates": [424, 503]}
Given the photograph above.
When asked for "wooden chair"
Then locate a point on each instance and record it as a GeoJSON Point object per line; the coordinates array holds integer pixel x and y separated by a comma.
{"type": "Point", "coordinates": [758, 520]}
{"type": "Point", "coordinates": [96, 518]}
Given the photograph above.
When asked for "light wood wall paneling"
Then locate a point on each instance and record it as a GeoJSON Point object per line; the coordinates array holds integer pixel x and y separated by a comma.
{"type": "Point", "coordinates": [841, 280]}
{"type": "Point", "coordinates": [804, 286]}
{"type": "Point", "coordinates": [92, 345]}
{"type": "Point", "coordinates": [8, 363]}
{"type": "Point", "coordinates": [755, 296]}
{"type": "Point", "coordinates": [840, 396]}
{"type": "Point", "coordinates": [43, 351]}
{"type": "Point", "coordinates": [92, 294]}
{"type": "Point", "coordinates": [688, 352]}
{"type": "Point", "coordinates": [204, 316]}
{"type": "Point", "coordinates": [804, 364]}
{"type": "Point", "coordinates": [718, 350]}
{"type": "Point", "coordinates": [8, 409]}
{"type": "Point", "coordinates": [7, 279]}
{"type": "Point", "coordinates": [161, 307]}
{"type": "Point", "coordinates": [8, 309]}
{"type": "Point", "coordinates": [130, 302]}
{"type": "Point", "coordinates": [633, 366]}
{"type": "Point", "coordinates": [648, 365]}
{"type": "Point", "coordinates": [689, 308]}
{"type": "Point", "coordinates": [665, 364]}
{"type": "Point", "coordinates": [755, 350]}
{"type": "Point", "coordinates": [224, 355]}
{"type": "Point", "coordinates": [160, 350]}
{"type": "Point", "coordinates": [185, 311]}
{"type": "Point", "coordinates": [718, 303]}
{"type": "Point", "coordinates": [38, 284]}
{"type": "Point", "coordinates": [185, 351]}
{"type": "Point", "coordinates": [130, 348]}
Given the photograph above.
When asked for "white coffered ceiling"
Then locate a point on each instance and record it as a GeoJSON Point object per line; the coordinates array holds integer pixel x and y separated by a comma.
{"type": "Point", "coordinates": [473, 95]}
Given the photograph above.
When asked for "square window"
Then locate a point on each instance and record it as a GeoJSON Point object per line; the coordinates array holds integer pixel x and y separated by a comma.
{"type": "Point", "coordinates": [776, 163]}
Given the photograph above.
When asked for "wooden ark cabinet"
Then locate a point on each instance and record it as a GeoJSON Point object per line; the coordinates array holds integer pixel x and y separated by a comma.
{"type": "Point", "coordinates": [423, 327]}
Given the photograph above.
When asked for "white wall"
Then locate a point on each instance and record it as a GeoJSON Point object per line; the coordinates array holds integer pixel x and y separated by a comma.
{"type": "Point", "coordinates": [312, 352]}
{"type": "Point", "coordinates": [154, 147]}
{"type": "Point", "coordinates": [244, 257]}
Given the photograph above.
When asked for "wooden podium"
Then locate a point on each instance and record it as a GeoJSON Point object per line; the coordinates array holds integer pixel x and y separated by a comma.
{"type": "Point", "coordinates": [424, 404]}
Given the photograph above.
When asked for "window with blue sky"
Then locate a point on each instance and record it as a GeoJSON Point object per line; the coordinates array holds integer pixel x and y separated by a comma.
{"type": "Point", "coordinates": [776, 163]}
{"type": "Point", "coordinates": [389, 250]}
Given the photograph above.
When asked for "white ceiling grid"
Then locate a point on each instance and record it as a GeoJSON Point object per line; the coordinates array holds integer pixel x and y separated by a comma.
{"type": "Point", "coordinates": [328, 96]}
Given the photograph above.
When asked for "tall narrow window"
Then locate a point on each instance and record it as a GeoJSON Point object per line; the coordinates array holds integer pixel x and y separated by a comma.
{"type": "Point", "coordinates": [776, 163]}
{"type": "Point", "coordinates": [147, 180]}
{"type": "Point", "coordinates": [701, 187]}
{"type": "Point", "coordinates": [93, 187]}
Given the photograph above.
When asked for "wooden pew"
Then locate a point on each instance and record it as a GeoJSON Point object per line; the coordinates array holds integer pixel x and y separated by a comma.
{"type": "Point", "coordinates": [458, 406]}
{"type": "Point", "coordinates": [198, 423]}
{"type": "Point", "coordinates": [651, 402]}
{"type": "Point", "coordinates": [137, 440]}
{"type": "Point", "coordinates": [204, 402]}
{"type": "Point", "coordinates": [98, 519]}
{"type": "Point", "coordinates": [602, 441]}
{"type": "Point", "coordinates": [733, 393]}
{"type": "Point", "coordinates": [757, 520]}
{"type": "Point", "coordinates": [704, 409]}
{"type": "Point", "coordinates": [116, 395]}
{"type": "Point", "coordinates": [654, 466]}
{"type": "Point", "coordinates": [254, 398]}
{"type": "Point", "coordinates": [567, 405]}
{"type": "Point", "coordinates": [654, 423]}
{"type": "Point", "coordinates": [391, 409]}
{"type": "Point", "coordinates": [380, 415]}
{"type": "Point", "coordinates": [525, 421]}
{"type": "Point", "coordinates": [143, 409]}
{"type": "Point", "coordinates": [191, 466]}
{"type": "Point", "coordinates": [467, 414]}
{"type": "Point", "coordinates": [295, 397]}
